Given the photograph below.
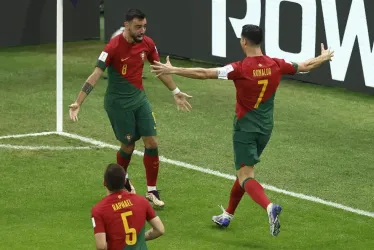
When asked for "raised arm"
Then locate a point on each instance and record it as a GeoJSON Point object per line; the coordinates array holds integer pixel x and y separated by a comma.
{"type": "Point", "coordinates": [311, 64]}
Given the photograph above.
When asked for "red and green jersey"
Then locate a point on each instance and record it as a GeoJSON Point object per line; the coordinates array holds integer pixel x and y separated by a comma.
{"type": "Point", "coordinates": [256, 81]}
{"type": "Point", "coordinates": [125, 62]}
{"type": "Point", "coordinates": [122, 217]}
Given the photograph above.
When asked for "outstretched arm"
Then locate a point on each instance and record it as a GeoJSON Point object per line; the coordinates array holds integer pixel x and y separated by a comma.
{"type": "Point", "coordinates": [195, 73]}
{"type": "Point", "coordinates": [311, 64]}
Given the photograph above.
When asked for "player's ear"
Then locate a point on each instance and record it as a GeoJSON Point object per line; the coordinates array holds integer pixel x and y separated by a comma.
{"type": "Point", "coordinates": [242, 41]}
{"type": "Point", "coordinates": [126, 25]}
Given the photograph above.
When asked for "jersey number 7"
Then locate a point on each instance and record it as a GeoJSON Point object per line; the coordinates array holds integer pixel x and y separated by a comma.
{"type": "Point", "coordinates": [131, 236]}
{"type": "Point", "coordinates": [265, 84]}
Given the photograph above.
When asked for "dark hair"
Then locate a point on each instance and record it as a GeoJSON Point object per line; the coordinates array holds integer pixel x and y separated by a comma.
{"type": "Point", "coordinates": [134, 13]}
{"type": "Point", "coordinates": [252, 33]}
{"type": "Point", "coordinates": [114, 177]}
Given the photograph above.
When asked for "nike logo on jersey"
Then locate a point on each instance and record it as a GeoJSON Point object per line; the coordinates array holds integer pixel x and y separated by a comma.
{"type": "Point", "coordinates": [122, 60]}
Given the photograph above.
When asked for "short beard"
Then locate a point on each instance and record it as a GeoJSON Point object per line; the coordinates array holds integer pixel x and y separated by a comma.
{"type": "Point", "coordinates": [137, 40]}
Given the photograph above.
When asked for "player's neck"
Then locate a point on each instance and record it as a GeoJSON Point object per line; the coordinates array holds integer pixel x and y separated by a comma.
{"type": "Point", "coordinates": [253, 52]}
{"type": "Point", "coordinates": [112, 192]}
{"type": "Point", "coordinates": [127, 37]}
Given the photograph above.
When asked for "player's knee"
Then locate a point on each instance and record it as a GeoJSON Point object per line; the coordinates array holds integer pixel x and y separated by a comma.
{"type": "Point", "coordinates": [150, 142]}
{"type": "Point", "coordinates": [245, 172]}
{"type": "Point", "coordinates": [128, 148]}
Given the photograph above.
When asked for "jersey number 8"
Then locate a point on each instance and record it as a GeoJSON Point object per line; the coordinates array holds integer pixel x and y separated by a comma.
{"type": "Point", "coordinates": [124, 69]}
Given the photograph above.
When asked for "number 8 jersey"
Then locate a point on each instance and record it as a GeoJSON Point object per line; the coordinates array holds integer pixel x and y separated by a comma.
{"type": "Point", "coordinates": [122, 217]}
{"type": "Point", "coordinates": [256, 81]}
{"type": "Point", "coordinates": [125, 62]}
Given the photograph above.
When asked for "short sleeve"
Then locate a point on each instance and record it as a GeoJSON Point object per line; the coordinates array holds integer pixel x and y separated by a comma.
{"type": "Point", "coordinates": [105, 57]}
{"type": "Point", "coordinates": [150, 212]}
{"type": "Point", "coordinates": [286, 68]}
{"type": "Point", "coordinates": [229, 72]}
{"type": "Point", "coordinates": [153, 54]}
{"type": "Point", "coordinates": [97, 222]}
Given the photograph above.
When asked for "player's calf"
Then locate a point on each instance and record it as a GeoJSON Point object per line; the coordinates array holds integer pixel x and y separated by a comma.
{"type": "Point", "coordinates": [252, 187]}
{"type": "Point", "coordinates": [257, 193]}
{"type": "Point", "coordinates": [123, 159]}
{"type": "Point", "coordinates": [151, 164]}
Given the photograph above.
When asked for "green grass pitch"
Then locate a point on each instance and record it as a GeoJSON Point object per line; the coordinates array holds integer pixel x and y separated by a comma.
{"type": "Point", "coordinates": [322, 146]}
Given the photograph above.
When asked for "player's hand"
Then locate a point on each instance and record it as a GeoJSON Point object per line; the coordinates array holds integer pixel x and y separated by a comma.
{"type": "Point", "coordinates": [328, 54]}
{"type": "Point", "coordinates": [181, 99]}
{"type": "Point", "coordinates": [73, 111]}
{"type": "Point", "coordinates": [162, 68]}
{"type": "Point", "coordinates": [168, 63]}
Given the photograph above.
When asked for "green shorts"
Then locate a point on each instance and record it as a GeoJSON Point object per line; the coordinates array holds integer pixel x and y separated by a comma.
{"type": "Point", "coordinates": [248, 147]}
{"type": "Point", "coordinates": [130, 125]}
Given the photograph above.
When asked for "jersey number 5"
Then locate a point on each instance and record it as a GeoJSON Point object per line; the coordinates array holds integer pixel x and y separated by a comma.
{"type": "Point", "coordinates": [264, 84]}
{"type": "Point", "coordinates": [131, 236]}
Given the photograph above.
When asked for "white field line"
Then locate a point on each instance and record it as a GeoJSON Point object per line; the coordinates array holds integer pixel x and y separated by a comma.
{"type": "Point", "coordinates": [226, 176]}
{"type": "Point", "coordinates": [23, 147]}
{"type": "Point", "coordinates": [27, 135]}
{"type": "Point", "coordinates": [100, 144]}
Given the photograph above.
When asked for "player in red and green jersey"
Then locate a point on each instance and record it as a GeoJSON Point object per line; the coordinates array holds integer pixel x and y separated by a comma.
{"type": "Point", "coordinates": [125, 102]}
{"type": "Point", "coordinates": [119, 219]}
{"type": "Point", "coordinates": [256, 80]}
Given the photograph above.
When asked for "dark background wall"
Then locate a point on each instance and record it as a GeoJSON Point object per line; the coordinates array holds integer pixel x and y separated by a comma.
{"type": "Point", "coordinates": [29, 22]}
{"type": "Point", "coordinates": [184, 28]}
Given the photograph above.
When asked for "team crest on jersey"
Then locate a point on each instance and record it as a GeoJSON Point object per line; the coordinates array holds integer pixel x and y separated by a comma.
{"type": "Point", "coordinates": [142, 55]}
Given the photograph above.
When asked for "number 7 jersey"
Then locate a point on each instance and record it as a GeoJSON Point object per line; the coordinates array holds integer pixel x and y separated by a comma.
{"type": "Point", "coordinates": [256, 81]}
